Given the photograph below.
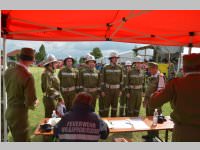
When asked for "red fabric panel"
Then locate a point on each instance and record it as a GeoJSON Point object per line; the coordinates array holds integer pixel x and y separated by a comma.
{"type": "Point", "coordinates": [160, 27]}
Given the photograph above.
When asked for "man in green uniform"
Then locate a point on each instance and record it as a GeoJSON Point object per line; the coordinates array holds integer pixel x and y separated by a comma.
{"type": "Point", "coordinates": [20, 87]}
{"type": "Point", "coordinates": [155, 82]}
{"type": "Point", "coordinates": [50, 86]}
{"type": "Point", "coordinates": [101, 98]}
{"type": "Point", "coordinates": [123, 98]}
{"type": "Point", "coordinates": [112, 84]}
{"type": "Point", "coordinates": [83, 65]}
{"type": "Point", "coordinates": [183, 95]}
{"type": "Point", "coordinates": [68, 82]}
{"type": "Point", "coordinates": [135, 84]}
{"type": "Point", "coordinates": [90, 80]}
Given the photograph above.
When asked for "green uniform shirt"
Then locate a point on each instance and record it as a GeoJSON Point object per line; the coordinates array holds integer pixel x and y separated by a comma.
{"type": "Point", "coordinates": [90, 78]}
{"type": "Point", "coordinates": [50, 84]}
{"type": "Point", "coordinates": [20, 87]}
{"type": "Point", "coordinates": [135, 78]}
{"type": "Point", "coordinates": [152, 86]}
{"type": "Point", "coordinates": [68, 77]}
{"type": "Point", "coordinates": [112, 75]}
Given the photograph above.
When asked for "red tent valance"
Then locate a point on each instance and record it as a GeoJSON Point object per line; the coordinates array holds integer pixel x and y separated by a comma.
{"type": "Point", "coordinates": [160, 27]}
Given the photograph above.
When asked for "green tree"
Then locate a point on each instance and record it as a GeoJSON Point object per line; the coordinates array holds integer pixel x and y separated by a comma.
{"type": "Point", "coordinates": [96, 52]}
{"type": "Point", "coordinates": [40, 56]}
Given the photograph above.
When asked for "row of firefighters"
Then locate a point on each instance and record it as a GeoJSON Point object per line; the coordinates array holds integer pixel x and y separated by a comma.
{"type": "Point", "coordinates": [111, 85]}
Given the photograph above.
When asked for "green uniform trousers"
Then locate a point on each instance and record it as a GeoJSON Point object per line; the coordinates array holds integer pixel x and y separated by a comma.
{"type": "Point", "coordinates": [111, 99]}
{"type": "Point", "coordinates": [94, 99]}
{"type": "Point", "coordinates": [134, 103]}
{"type": "Point", "coordinates": [49, 106]}
{"type": "Point", "coordinates": [123, 105]}
{"type": "Point", "coordinates": [101, 106]}
{"type": "Point", "coordinates": [68, 98]}
{"type": "Point", "coordinates": [17, 120]}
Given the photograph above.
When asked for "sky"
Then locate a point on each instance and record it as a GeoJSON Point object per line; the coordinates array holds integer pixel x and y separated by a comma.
{"type": "Point", "coordinates": [76, 49]}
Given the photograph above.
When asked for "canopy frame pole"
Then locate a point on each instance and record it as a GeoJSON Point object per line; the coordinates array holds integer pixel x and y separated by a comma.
{"type": "Point", "coordinates": [125, 19]}
{"type": "Point", "coordinates": [54, 29]}
{"type": "Point", "coordinates": [190, 50]}
{"type": "Point", "coordinates": [190, 45]}
{"type": "Point", "coordinates": [4, 90]}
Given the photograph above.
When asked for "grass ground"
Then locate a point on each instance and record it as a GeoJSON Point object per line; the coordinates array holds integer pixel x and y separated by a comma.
{"type": "Point", "coordinates": [36, 115]}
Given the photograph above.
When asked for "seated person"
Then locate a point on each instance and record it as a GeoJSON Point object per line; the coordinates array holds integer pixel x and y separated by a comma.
{"type": "Point", "coordinates": [81, 124]}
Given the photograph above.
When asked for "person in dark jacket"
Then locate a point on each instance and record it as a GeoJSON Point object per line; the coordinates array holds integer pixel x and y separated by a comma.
{"type": "Point", "coordinates": [81, 124]}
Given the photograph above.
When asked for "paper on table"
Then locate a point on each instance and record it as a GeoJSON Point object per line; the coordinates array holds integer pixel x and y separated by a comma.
{"type": "Point", "coordinates": [53, 121]}
{"type": "Point", "coordinates": [138, 123]}
{"type": "Point", "coordinates": [119, 124]}
{"type": "Point", "coordinates": [108, 123]}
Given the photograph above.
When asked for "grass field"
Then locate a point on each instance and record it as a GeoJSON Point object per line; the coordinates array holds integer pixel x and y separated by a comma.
{"type": "Point", "coordinates": [36, 115]}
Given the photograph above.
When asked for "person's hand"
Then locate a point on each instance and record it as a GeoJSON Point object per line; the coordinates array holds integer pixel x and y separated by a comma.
{"type": "Point", "coordinates": [36, 103]}
{"type": "Point", "coordinates": [128, 95]}
{"type": "Point", "coordinates": [103, 94]}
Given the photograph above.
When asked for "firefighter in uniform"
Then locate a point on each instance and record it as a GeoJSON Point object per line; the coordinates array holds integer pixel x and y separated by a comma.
{"type": "Point", "coordinates": [50, 86]}
{"type": "Point", "coordinates": [135, 85]}
{"type": "Point", "coordinates": [123, 98]}
{"type": "Point", "coordinates": [68, 77]}
{"type": "Point", "coordinates": [20, 87]}
{"type": "Point", "coordinates": [183, 94]}
{"type": "Point", "coordinates": [112, 84]}
{"type": "Point", "coordinates": [155, 82]}
{"type": "Point", "coordinates": [90, 80]}
{"type": "Point", "coordinates": [83, 65]}
{"type": "Point", "coordinates": [101, 98]}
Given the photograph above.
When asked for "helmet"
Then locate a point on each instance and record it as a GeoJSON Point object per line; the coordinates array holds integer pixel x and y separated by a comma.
{"type": "Point", "coordinates": [68, 57]}
{"type": "Point", "coordinates": [128, 63]}
{"type": "Point", "coordinates": [50, 58]}
{"type": "Point", "coordinates": [138, 59]}
{"type": "Point", "coordinates": [88, 55]}
{"type": "Point", "coordinates": [90, 58]}
{"type": "Point", "coordinates": [113, 54]}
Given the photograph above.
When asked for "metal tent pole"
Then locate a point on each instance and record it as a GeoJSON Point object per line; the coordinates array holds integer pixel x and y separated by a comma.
{"type": "Point", "coordinates": [190, 50]}
{"type": "Point", "coordinates": [4, 90]}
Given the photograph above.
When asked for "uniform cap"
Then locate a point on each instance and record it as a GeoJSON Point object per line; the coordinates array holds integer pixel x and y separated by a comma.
{"type": "Point", "coordinates": [90, 58]}
{"type": "Point", "coordinates": [27, 54]}
{"type": "Point", "coordinates": [50, 58]}
{"type": "Point", "coordinates": [128, 63]}
{"type": "Point", "coordinates": [191, 62]}
{"type": "Point", "coordinates": [152, 64]}
{"type": "Point", "coordinates": [113, 54]}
